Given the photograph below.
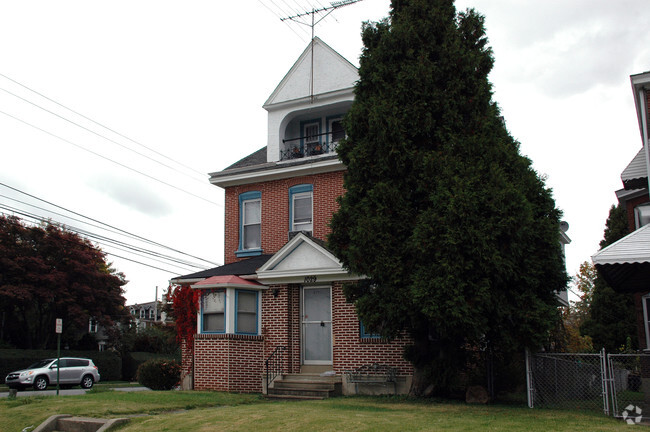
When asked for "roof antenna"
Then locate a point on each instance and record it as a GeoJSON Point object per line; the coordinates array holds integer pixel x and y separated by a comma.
{"type": "Point", "coordinates": [325, 11]}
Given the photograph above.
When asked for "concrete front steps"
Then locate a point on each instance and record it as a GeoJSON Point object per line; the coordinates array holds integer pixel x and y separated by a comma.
{"type": "Point", "coordinates": [68, 423]}
{"type": "Point", "coordinates": [305, 386]}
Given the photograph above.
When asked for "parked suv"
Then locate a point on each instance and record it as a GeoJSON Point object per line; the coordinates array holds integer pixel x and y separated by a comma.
{"type": "Point", "coordinates": [40, 375]}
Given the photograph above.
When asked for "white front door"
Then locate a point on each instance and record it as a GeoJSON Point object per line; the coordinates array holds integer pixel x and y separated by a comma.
{"type": "Point", "coordinates": [317, 325]}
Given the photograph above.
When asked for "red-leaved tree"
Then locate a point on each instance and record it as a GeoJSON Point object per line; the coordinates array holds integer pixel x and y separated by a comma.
{"type": "Point", "coordinates": [48, 272]}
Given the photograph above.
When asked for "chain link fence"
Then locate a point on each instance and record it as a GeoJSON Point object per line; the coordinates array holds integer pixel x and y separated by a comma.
{"type": "Point", "coordinates": [567, 381]}
{"type": "Point", "coordinates": [609, 383]}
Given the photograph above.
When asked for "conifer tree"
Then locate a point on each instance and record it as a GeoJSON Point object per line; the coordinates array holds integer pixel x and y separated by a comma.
{"type": "Point", "coordinates": [457, 234]}
{"type": "Point", "coordinates": [611, 317]}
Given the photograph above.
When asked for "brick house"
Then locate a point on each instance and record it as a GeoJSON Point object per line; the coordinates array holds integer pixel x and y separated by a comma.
{"type": "Point", "coordinates": [625, 265]}
{"type": "Point", "coordinates": [279, 296]}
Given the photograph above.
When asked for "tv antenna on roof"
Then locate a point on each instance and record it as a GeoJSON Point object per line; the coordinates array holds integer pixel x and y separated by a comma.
{"type": "Point", "coordinates": [323, 13]}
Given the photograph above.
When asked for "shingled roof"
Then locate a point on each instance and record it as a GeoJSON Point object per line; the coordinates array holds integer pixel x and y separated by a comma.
{"type": "Point", "coordinates": [238, 268]}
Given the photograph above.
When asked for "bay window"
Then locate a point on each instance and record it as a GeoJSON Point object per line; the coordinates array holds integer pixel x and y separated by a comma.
{"type": "Point", "coordinates": [213, 312]}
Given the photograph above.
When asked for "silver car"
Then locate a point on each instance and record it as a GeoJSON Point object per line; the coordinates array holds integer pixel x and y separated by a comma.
{"type": "Point", "coordinates": [40, 375]}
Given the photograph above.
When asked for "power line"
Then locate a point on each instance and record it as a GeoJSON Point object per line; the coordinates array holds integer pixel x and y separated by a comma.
{"type": "Point", "coordinates": [103, 126]}
{"type": "Point", "coordinates": [102, 136]}
{"type": "Point", "coordinates": [108, 225]}
{"type": "Point", "coordinates": [108, 242]}
{"type": "Point", "coordinates": [111, 230]}
{"type": "Point", "coordinates": [110, 160]}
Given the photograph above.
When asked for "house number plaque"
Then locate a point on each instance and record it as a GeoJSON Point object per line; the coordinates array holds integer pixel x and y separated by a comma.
{"type": "Point", "coordinates": [310, 279]}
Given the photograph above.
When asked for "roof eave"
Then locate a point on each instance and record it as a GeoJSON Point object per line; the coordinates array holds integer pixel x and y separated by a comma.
{"type": "Point", "coordinates": [278, 172]}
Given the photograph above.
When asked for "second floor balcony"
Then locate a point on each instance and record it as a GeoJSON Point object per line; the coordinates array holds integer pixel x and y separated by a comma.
{"type": "Point", "coordinates": [313, 145]}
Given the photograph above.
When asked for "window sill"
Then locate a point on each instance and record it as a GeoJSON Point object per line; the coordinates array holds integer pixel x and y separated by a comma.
{"type": "Point", "coordinates": [229, 336]}
{"type": "Point", "coordinates": [248, 252]}
{"type": "Point", "coordinates": [372, 340]}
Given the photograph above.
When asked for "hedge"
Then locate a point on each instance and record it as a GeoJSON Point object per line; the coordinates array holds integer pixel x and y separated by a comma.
{"type": "Point", "coordinates": [132, 361]}
{"type": "Point", "coordinates": [109, 363]}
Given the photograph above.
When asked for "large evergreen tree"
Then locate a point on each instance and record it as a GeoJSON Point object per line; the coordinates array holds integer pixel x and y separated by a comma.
{"type": "Point", "coordinates": [458, 235]}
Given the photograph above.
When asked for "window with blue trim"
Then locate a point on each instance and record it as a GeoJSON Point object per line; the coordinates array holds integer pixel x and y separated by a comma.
{"type": "Point", "coordinates": [246, 312]}
{"type": "Point", "coordinates": [213, 312]}
{"type": "Point", "coordinates": [301, 208]}
{"type": "Point", "coordinates": [250, 223]}
{"type": "Point", "coordinates": [363, 333]}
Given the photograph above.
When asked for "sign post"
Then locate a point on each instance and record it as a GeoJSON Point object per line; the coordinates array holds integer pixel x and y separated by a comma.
{"type": "Point", "coordinates": [59, 330]}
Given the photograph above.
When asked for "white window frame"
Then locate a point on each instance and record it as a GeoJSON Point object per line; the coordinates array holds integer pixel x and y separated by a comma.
{"type": "Point", "coordinates": [637, 214]}
{"type": "Point", "coordinates": [92, 325]}
{"type": "Point", "coordinates": [237, 311]}
{"type": "Point", "coordinates": [302, 226]}
{"type": "Point", "coordinates": [244, 224]}
{"type": "Point", "coordinates": [310, 138]}
{"type": "Point", "coordinates": [204, 312]}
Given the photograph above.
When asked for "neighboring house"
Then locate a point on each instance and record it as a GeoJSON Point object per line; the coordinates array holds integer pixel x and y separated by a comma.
{"type": "Point", "coordinates": [279, 296]}
{"type": "Point", "coordinates": [146, 314]}
{"type": "Point", "coordinates": [99, 332]}
{"type": "Point", "coordinates": [625, 265]}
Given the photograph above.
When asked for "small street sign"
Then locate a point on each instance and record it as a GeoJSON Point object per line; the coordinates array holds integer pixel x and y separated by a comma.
{"type": "Point", "coordinates": [59, 325]}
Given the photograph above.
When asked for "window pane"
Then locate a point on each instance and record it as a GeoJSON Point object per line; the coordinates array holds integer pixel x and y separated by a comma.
{"type": "Point", "coordinates": [317, 304]}
{"type": "Point", "coordinates": [252, 237]}
{"type": "Point", "coordinates": [337, 131]}
{"type": "Point", "coordinates": [246, 301]}
{"type": "Point", "coordinates": [214, 301]}
{"type": "Point", "coordinates": [642, 214]}
{"type": "Point", "coordinates": [252, 212]}
{"type": "Point", "coordinates": [311, 132]}
{"type": "Point", "coordinates": [246, 322]}
{"type": "Point", "coordinates": [246, 312]}
{"type": "Point", "coordinates": [213, 322]}
{"type": "Point", "coordinates": [302, 209]}
{"type": "Point", "coordinates": [318, 341]}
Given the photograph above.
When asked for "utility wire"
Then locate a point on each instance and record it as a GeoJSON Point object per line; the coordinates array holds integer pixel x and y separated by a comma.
{"type": "Point", "coordinates": [144, 264]}
{"type": "Point", "coordinates": [111, 230]}
{"type": "Point", "coordinates": [109, 242]}
{"type": "Point", "coordinates": [110, 160]}
{"type": "Point", "coordinates": [103, 126]}
{"type": "Point", "coordinates": [102, 136]}
{"type": "Point", "coordinates": [73, 229]}
{"type": "Point", "coordinates": [108, 225]}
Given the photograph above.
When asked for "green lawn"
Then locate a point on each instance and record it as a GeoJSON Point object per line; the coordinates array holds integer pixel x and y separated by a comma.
{"type": "Point", "coordinates": [209, 411]}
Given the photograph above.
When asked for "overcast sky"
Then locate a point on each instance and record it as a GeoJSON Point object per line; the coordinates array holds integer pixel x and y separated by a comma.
{"type": "Point", "coordinates": [183, 82]}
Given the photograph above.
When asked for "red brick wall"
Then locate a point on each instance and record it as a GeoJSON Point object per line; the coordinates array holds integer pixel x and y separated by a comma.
{"type": "Point", "coordinates": [351, 351]}
{"type": "Point", "coordinates": [228, 363]}
{"type": "Point", "coordinates": [275, 210]}
{"type": "Point", "coordinates": [236, 362]}
{"type": "Point", "coordinates": [281, 326]}
{"type": "Point", "coordinates": [629, 208]}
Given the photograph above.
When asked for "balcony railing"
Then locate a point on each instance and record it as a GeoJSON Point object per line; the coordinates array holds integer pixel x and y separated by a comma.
{"type": "Point", "coordinates": [296, 148]}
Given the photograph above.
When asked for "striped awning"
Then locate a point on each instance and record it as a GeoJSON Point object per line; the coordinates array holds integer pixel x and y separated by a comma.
{"type": "Point", "coordinates": [625, 265]}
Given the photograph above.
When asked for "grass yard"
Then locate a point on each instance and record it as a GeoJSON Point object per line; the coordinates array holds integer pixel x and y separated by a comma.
{"type": "Point", "coordinates": [209, 411]}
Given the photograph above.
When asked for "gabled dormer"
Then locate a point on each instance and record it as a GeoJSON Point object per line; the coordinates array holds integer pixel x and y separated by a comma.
{"type": "Point", "coordinates": [306, 108]}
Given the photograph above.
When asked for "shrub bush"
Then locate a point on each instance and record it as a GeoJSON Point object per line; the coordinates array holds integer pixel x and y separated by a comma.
{"type": "Point", "coordinates": [159, 374]}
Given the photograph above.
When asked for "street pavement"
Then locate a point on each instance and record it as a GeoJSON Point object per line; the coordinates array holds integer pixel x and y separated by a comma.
{"type": "Point", "coordinates": [67, 392]}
